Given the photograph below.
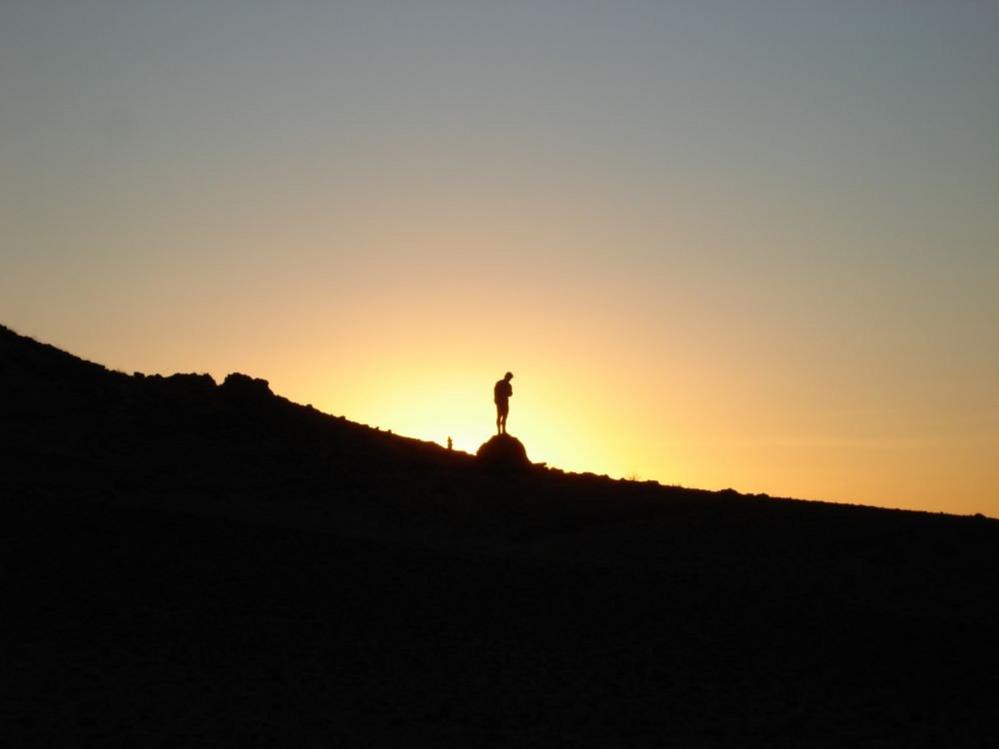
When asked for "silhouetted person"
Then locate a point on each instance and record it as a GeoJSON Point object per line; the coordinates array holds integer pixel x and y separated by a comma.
{"type": "Point", "coordinates": [501, 396]}
{"type": "Point", "coordinates": [450, 444]}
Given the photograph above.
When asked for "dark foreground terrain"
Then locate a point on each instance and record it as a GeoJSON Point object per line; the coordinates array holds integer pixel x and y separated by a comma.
{"type": "Point", "coordinates": [184, 563]}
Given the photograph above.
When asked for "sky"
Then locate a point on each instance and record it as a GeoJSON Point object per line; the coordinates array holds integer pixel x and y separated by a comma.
{"type": "Point", "coordinates": [720, 244]}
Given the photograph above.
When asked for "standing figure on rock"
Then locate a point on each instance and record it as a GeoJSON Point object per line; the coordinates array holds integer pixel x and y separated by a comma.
{"type": "Point", "coordinates": [501, 396]}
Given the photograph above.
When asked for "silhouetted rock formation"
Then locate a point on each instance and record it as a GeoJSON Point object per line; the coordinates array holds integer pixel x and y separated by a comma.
{"type": "Point", "coordinates": [245, 388]}
{"type": "Point", "coordinates": [503, 453]}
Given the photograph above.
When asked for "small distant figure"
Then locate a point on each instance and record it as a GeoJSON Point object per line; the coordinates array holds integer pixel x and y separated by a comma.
{"type": "Point", "coordinates": [501, 396]}
{"type": "Point", "coordinates": [450, 444]}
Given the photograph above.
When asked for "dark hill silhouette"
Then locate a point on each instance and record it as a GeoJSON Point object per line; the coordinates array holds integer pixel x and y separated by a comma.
{"type": "Point", "coordinates": [206, 563]}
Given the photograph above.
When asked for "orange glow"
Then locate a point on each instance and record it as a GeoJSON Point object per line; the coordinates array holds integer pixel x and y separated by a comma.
{"type": "Point", "coordinates": [612, 391]}
{"type": "Point", "coordinates": [619, 368]}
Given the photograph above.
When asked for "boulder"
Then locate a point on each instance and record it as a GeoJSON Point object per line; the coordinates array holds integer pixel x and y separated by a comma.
{"type": "Point", "coordinates": [503, 453]}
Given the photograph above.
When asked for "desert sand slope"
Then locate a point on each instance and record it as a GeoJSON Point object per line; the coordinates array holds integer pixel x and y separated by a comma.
{"type": "Point", "coordinates": [185, 562]}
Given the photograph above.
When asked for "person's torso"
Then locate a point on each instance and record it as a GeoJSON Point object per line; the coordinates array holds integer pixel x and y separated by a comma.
{"type": "Point", "coordinates": [502, 390]}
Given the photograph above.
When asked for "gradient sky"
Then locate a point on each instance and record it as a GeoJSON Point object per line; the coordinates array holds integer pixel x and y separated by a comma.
{"type": "Point", "coordinates": [746, 244]}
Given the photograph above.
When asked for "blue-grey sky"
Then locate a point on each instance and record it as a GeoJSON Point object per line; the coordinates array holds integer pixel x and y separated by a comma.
{"type": "Point", "coordinates": [757, 243]}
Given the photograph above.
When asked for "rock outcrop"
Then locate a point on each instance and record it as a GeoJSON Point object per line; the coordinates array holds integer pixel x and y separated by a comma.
{"type": "Point", "coordinates": [503, 453]}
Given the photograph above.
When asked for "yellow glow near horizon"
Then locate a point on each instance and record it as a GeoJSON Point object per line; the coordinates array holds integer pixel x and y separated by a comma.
{"type": "Point", "coordinates": [687, 374]}
{"type": "Point", "coordinates": [630, 412]}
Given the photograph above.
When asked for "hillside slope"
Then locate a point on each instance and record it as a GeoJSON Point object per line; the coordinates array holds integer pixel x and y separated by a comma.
{"type": "Point", "coordinates": [236, 449]}
{"type": "Point", "coordinates": [186, 562]}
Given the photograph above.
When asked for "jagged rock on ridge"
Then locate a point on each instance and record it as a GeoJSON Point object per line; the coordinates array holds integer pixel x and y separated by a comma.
{"type": "Point", "coordinates": [246, 388]}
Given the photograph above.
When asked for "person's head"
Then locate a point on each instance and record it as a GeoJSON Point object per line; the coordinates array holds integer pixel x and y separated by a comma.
{"type": "Point", "coordinates": [508, 376]}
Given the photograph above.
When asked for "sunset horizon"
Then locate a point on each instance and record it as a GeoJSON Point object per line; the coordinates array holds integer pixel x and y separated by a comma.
{"type": "Point", "coordinates": [473, 429]}
{"type": "Point", "coordinates": [721, 244]}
